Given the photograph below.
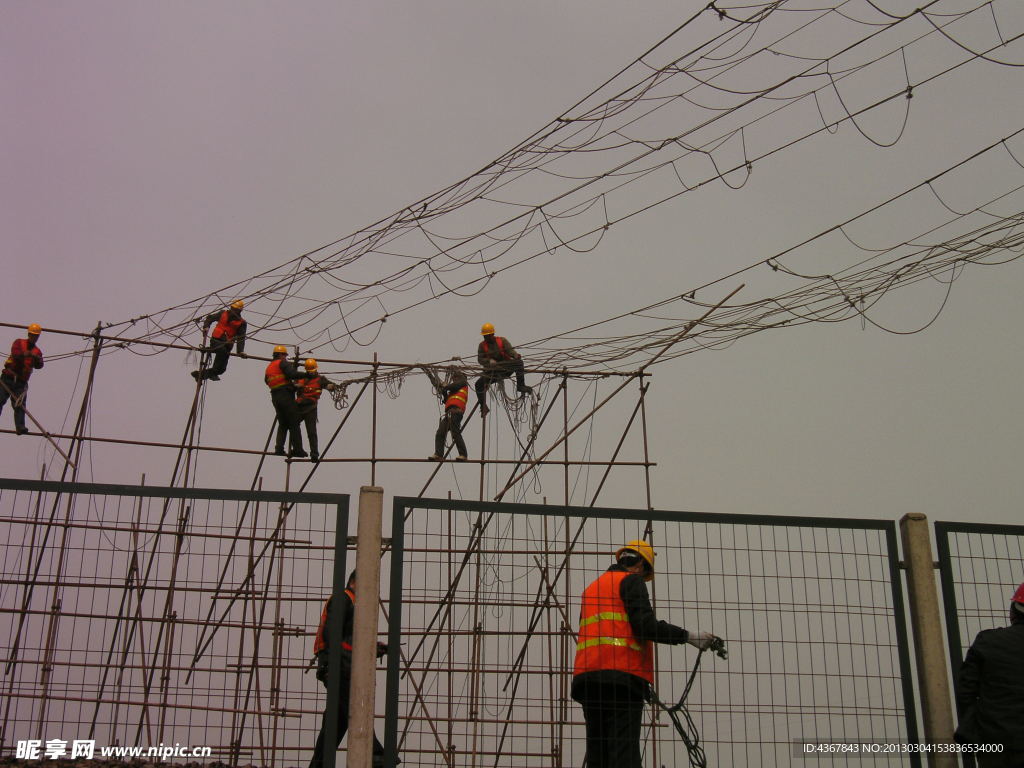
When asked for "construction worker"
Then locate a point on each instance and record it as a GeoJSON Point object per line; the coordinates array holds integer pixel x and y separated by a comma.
{"type": "Point", "coordinates": [307, 395]}
{"type": "Point", "coordinates": [280, 377]}
{"type": "Point", "coordinates": [229, 328]}
{"type": "Point", "coordinates": [25, 358]}
{"type": "Point", "coordinates": [499, 360]}
{"type": "Point", "coordinates": [614, 667]}
{"type": "Point", "coordinates": [453, 393]}
{"type": "Point", "coordinates": [990, 691]}
{"type": "Point", "coordinates": [321, 645]}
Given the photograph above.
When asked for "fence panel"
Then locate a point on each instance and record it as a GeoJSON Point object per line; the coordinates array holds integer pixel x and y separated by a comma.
{"type": "Point", "coordinates": [486, 597]}
{"type": "Point", "coordinates": [157, 616]}
{"type": "Point", "coordinates": [980, 565]}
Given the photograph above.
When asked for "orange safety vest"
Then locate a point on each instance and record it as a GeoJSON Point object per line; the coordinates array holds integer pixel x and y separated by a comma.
{"type": "Point", "coordinates": [23, 360]}
{"type": "Point", "coordinates": [274, 376]}
{"type": "Point", "coordinates": [227, 327]}
{"type": "Point", "coordinates": [458, 399]}
{"type": "Point", "coordinates": [309, 389]}
{"type": "Point", "coordinates": [500, 341]}
{"type": "Point", "coordinates": [606, 640]}
{"type": "Point", "coordinates": [319, 643]}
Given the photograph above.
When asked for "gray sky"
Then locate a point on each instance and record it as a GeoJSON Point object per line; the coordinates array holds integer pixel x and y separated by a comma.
{"type": "Point", "coordinates": [156, 152]}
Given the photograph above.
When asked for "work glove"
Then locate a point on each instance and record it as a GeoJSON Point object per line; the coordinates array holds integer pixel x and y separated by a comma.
{"type": "Point", "coordinates": [701, 640]}
{"type": "Point", "coordinates": [382, 649]}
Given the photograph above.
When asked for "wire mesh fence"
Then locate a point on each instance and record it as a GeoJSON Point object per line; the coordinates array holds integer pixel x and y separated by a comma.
{"type": "Point", "coordinates": [142, 617]}
{"type": "Point", "coordinates": [488, 598]}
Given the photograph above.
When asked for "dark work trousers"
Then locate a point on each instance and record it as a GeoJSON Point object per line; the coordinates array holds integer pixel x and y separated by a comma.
{"type": "Point", "coordinates": [307, 416]}
{"type": "Point", "coordinates": [20, 391]}
{"type": "Point", "coordinates": [450, 422]}
{"type": "Point", "coordinates": [498, 372]}
{"type": "Point", "coordinates": [283, 399]}
{"type": "Point", "coordinates": [221, 351]}
{"type": "Point", "coordinates": [318, 750]}
{"type": "Point", "coordinates": [614, 716]}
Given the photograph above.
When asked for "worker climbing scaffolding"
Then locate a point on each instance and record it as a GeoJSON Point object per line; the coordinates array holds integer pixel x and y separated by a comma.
{"type": "Point", "coordinates": [280, 376]}
{"type": "Point", "coordinates": [499, 360]}
{"type": "Point", "coordinates": [25, 357]}
{"type": "Point", "coordinates": [454, 394]}
{"type": "Point", "coordinates": [229, 329]}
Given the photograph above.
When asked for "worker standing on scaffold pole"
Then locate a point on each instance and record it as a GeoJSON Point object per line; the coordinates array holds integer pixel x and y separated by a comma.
{"type": "Point", "coordinates": [229, 328]}
{"type": "Point", "coordinates": [499, 360]}
{"type": "Point", "coordinates": [614, 667]}
{"type": "Point", "coordinates": [279, 376]}
{"type": "Point", "coordinates": [25, 358]}
{"type": "Point", "coordinates": [453, 393]}
{"type": "Point", "coordinates": [307, 397]}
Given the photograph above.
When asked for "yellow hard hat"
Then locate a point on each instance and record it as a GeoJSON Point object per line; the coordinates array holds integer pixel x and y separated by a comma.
{"type": "Point", "coordinates": [311, 364]}
{"type": "Point", "coordinates": [237, 304]}
{"type": "Point", "coordinates": [487, 329]}
{"type": "Point", "coordinates": [280, 349]}
{"type": "Point", "coordinates": [645, 550]}
{"type": "Point", "coordinates": [35, 329]}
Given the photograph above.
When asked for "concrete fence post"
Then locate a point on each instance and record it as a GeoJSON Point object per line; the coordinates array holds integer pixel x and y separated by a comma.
{"type": "Point", "coordinates": [929, 650]}
{"type": "Point", "coordinates": [364, 631]}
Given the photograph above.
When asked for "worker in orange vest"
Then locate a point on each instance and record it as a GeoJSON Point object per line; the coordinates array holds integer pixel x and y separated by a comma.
{"type": "Point", "coordinates": [453, 393]}
{"type": "Point", "coordinates": [307, 396]}
{"type": "Point", "coordinates": [25, 357]}
{"type": "Point", "coordinates": [280, 376]}
{"type": "Point", "coordinates": [321, 645]}
{"type": "Point", "coordinates": [498, 359]}
{"type": "Point", "coordinates": [614, 667]}
{"type": "Point", "coordinates": [229, 329]}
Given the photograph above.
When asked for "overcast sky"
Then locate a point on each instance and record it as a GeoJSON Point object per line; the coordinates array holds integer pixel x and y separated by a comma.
{"type": "Point", "coordinates": [154, 152]}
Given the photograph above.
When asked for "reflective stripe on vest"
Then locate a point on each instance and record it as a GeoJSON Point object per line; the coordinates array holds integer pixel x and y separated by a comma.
{"type": "Point", "coordinates": [458, 399]}
{"type": "Point", "coordinates": [274, 376]}
{"type": "Point", "coordinates": [606, 640]}
{"type": "Point", "coordinates": [227, 327]}
{"type": "Point", "coordinates": [319, 643]}
{"type": "Point", "coordinates": [310, 389]}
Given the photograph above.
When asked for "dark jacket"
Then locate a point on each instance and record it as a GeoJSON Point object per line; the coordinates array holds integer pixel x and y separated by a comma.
{"type": "Point", "coordinates": [646, 627]}
{"type": "Point", "coordinates": [347, 615]}
{"type": "Point", "coordinates": [990, 689]}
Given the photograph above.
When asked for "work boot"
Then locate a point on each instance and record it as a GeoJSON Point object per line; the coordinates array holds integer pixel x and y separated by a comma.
{"type": "Point", "coordinates": [299, 454]}
{"type": "Point", "coordinates": [462, 457]}
{"type": "Point", "coordinates": [21, 430]}
{"type": "Point", "coordinates": [197, 375]}
{"type": "Point", "coordinates": [279, 452]}
{"type": "Point", "coordinates": [484, 410]}
{"type": "Point", "coordinates": [314, 456]}
{"type": "Point", "coordinates": [522, 388]}
{"type": "Point", "coordinates": [433, 457]}
{"type": "Point", "coordinates": [213, 377]}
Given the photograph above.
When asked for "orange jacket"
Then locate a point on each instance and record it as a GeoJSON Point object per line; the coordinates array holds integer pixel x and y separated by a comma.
{"type": "Point", "coordinates": [606, 640]}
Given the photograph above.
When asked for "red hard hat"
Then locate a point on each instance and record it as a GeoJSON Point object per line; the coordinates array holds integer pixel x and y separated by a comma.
{"type": "Point", "coordinates": [1018, 596]}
